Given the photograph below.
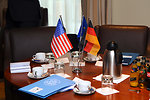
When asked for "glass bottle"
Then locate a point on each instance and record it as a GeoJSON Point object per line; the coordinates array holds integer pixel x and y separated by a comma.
{"type": "Point", "coordinates": [142, 76]}
{"type": "Point", "coordinates": [138, 64]}
{"type": "Point", "coordinates": [134, 65]}
{"type": "Point", "coordinates": [144, 59]}
{"type": "Point", "coordinates": [134, 77]}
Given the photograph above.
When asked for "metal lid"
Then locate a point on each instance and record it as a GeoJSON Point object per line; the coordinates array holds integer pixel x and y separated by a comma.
{"type": "Point", "coordinates": [112, 46]}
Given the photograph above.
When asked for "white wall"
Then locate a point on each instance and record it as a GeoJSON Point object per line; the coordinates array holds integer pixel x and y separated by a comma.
{"type": "Point", "coordinates": [131, 12]}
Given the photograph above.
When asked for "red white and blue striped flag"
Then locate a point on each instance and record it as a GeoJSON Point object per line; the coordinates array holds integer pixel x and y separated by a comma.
{"type": "Point", "coordinates": [60, 43]}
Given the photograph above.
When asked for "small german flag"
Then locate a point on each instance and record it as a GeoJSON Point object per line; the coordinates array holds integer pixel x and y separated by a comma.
{"type": "Point", "coordinates": [92, 45]}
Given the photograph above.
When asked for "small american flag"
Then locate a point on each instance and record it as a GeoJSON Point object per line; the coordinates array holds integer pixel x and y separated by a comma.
{"type": "Point", "coordinates": [60, 43]}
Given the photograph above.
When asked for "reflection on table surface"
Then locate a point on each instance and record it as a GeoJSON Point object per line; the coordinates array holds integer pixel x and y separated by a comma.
{"type": "Point", "coordinates": [88, 72]}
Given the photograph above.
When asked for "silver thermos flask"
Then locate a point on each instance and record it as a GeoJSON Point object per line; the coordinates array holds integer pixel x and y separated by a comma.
{"type": "Point", "coordinates": [112, 61]}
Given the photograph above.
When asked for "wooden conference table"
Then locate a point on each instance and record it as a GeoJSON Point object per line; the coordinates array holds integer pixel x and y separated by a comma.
{"type": "Point", "coordinates": [88, 72]}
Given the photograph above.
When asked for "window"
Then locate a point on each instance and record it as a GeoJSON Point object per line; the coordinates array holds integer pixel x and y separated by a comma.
{"type": "Point", "coordinates": [70, 10]}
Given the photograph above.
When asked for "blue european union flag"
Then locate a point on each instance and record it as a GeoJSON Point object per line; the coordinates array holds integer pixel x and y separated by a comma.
{"type": "Point", "coordinates": [82, 33]}
{"type": "Point", "coordinates": [83, 28]}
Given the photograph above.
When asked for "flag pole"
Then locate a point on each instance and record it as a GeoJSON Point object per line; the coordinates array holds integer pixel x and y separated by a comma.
{"type": "Point", "coordinates": [62, 22]}
{"type": "Point", "coordinates": [81, 33]}
{"type": "Point", "coordinates": [81, 50]}
{"type": "Point", "coordinates": [61, 19]}
{"type": "Point", "coordinates": [85, 38]}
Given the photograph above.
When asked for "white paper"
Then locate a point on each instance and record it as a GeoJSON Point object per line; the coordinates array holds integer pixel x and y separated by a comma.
{"type": "Point", "coordinates": [20, 67]}
{"type": "Point", "coordinates": [18, 64]}
{"type": "Point", "coordinates": [123, 77]}
{"type": "Point", "coordinates": [35, 89]}
{"type": "Point", "coordinates": [64, 60]}
{"type": "Point", "coordinates": [20, 70]}
{"type": "Point", "coordinates": [106, 91]}
{"type": "Point", "coordinates": [99, 63]}
{"type": "Point", "coordinates": [125, 56]}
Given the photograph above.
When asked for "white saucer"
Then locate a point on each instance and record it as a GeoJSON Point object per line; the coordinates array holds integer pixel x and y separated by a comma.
{"type": "Point", "coordinates": [77, 91]}
{"type": "Point", "coordinates": [40, 61]}
{"type": "Point", "coordinates": [92, 60]}
{"type": "Point", "coordinates": [30, 75]}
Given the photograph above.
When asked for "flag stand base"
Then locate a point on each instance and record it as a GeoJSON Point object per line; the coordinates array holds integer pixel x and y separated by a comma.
{"type": "Point", "coordinates": [76, 70]}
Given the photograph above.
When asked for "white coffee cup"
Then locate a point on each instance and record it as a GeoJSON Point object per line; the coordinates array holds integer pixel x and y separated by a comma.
{"type": "Point", "coordinates": [84, 86]}
{"type": "Point", "coordinates": [37, 71]}
{"type": "Point", "coordinates": [39, 56]}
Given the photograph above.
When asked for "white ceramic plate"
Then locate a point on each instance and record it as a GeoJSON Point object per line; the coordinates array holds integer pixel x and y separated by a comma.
{"type": "Point", "coordinates": [77, 91]}
{"type": "Point", "coordinates": [40, 61]}
{"type": "Point", "coordinates": [30, 75]}
{"type": "Point", "coordinates": [92, 60]}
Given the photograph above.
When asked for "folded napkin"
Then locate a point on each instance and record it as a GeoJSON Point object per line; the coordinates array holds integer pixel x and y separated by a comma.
{"type": "Point", "coordinates": [20, 67]}
{"type": "Point", "coordinates": [128, 58]}
{"type": "Point", "coordinates": [99, 63]}
{"type": "Point", "coordinates": [123, 77]}
{"type": "Point", "coordinates": [77, 80]}
{"type": "Point", "coordinates": [106, 91]}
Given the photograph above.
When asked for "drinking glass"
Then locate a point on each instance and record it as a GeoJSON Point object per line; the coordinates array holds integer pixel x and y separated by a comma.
{"type": "Point", "coordinates": [59, 68]}
{"type": "Point", "coordinates": [76, 64]}
{"type": "Point", "coordinates": [50, 57]}
{"type": "Point", "coordinates": [107, 83]}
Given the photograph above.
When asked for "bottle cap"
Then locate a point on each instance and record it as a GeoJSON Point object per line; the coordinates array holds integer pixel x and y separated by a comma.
{"type": "Point", "coordinates": [112, 46]}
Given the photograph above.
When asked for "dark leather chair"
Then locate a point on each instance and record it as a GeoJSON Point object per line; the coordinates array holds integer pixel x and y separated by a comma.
{"type": "Point", "coordinates": [129, 38]}
{"type": "Point", "coordinates": [43, 22]}
{"type": "Point", "coordinates": [1, 53]}
{"type": "Point", "coordinates": [44, 16]}
{"type": "Point", "coordinates": [148, 44]}
{"type": "Point", "coordinates": [74, 41]}
{"type": "Point", "coordinates": [22, 43]}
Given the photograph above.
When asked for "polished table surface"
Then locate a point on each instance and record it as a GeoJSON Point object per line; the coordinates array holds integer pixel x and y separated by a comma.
{"type": "Point", "coordinates": [88, 72]}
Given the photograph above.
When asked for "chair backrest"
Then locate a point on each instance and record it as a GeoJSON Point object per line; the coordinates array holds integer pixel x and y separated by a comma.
{"type": "Point", "coordinates": [129, 38]}
{"type": "Point", "coordinates": [148, 44]}
{"type": "Point", "coordinates": [44, 16]}
{"type": "Point", "coordinates": [74, 41]}
{"type": "Point", "coordinates": [21, 44]}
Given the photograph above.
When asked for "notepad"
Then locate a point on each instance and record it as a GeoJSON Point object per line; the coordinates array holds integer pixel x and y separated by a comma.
{"type": "Point", "coordinates": [20, 67]}
{"type": "Point", "coordinates": [128, 58]}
